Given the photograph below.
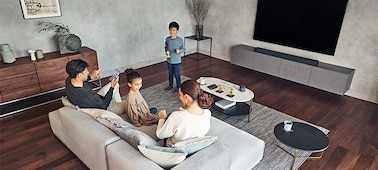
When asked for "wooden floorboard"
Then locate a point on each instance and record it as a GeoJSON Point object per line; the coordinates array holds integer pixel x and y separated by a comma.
{"type": "Point", "coordinates": [27, 142]}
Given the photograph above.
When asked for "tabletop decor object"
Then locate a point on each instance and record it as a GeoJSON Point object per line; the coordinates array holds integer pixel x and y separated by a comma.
{"type": "Point", "coordinates": [7, 54]}
{"type": "Point", "coordinates": [32, 55]}
{"type": "Point", "coordinates": [198, 9]}
{"type": "Point", "coordinates": [39, 54]}
{"type": "Point", "coordinates": [68, 42]}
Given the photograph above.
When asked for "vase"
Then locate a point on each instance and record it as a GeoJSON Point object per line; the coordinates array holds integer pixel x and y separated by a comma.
{"type": "Point", "coordinates": [7, 54]}
{"type": "Point", "coordinates": [199, 31]}
{"type": "Point", "coordinates": [69, 43]}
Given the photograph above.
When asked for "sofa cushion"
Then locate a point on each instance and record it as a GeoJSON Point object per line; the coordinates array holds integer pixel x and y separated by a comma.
{"type": "Point", "coordinates": [112, 123]}
{"type": "Point", "coordinates": [95, 113]}
{"type": "Point", "coordinates": [149, 130]}
{"type": "Point", "coordinates": [164, 148]}
{"type": "Point", "coordinates": [135, 137]}
{"type": "Point", "coordinates": [67, 103]}
{"type": "Point", "coordinates": [164, 156]}
{"type": "Point", "coordinates": [216, 156]}
{"type": "Point", "coordinates": [193, 145]}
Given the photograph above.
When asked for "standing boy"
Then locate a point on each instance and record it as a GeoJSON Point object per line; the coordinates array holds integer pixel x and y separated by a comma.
{"type": "Point", "coordinates": [174, 46]}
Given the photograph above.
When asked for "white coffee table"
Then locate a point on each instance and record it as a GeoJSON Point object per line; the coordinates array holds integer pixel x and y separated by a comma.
{"type": "Point", "coordinates": [239, 97]}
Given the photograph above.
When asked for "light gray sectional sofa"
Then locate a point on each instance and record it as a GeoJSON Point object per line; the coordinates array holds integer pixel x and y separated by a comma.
{"type": "Point", "coordinates": [100, 148]}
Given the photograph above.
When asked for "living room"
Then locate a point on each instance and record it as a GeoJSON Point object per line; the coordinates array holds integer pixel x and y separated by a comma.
{"type": "Point", "coordinates": [131, 34]}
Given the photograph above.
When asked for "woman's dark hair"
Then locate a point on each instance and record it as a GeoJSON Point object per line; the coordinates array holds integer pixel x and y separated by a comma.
{"type": "Point", "coordinates": [174, 25]}
{"type": "Point", "coordinates": [131, 74]}
{"type": "Point", "coordinates": [193, 89]}
{"type": "Point", "coordinates": [75, 67]}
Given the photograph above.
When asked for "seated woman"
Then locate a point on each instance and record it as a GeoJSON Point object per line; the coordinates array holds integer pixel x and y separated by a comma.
{"type": "Point", "coordinates": [194, 121]}
{"type": "Point", "coordinates": [136, 107]}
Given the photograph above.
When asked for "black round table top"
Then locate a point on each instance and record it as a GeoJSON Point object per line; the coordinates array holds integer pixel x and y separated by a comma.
{"type": "Point", "coordinates": [302, 136]}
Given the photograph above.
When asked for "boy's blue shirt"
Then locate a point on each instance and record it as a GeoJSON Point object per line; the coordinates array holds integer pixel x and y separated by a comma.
{"type": "Point", "coordinates": [172, 45]}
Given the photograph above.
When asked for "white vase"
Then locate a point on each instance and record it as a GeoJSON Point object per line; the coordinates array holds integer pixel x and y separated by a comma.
{"type": "Point", "coordinates": [7, 54]}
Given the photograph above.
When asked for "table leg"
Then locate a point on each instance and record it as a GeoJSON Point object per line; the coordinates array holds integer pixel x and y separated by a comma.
{"type": "Point", "coordinates": [250, 110]}
{"type": "Point", "coordinates": [295, 155]}
{"type": "Point", "coordinates": [294, 158]}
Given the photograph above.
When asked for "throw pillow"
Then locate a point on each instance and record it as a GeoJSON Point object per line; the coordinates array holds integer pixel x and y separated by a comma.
{"type": "Point", "coordinates": [95, 113]}
{"type": "Point", "coordinates": [135, 137]}
{"type": "Point", "coordinates": [149, 130]}
{"type": "Point", "coordinates": [112, 123]}
{"type": "Point", "coordinates": [164, 159]}
{"type": "Point", "coordinates": [67, 103]}
{"type": "Point", "coordinates": [193, 145]}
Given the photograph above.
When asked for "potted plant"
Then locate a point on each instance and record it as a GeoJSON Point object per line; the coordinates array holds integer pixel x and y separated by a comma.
{"type": "Point", "coordinates": [67, 41]}
{"type": "Point", "coordinates": [198, 9]}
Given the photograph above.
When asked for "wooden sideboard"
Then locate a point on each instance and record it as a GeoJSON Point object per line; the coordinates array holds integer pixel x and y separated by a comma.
{"type": "Point", "coordinates": [25, 78]}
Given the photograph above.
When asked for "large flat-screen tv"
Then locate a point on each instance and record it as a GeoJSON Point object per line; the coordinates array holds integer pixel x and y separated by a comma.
{"type": "Point", "coordinates": [312, 25]}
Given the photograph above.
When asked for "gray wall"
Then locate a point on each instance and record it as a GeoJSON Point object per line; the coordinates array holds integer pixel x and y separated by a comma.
{"type": "Point", "coordinates": [129, 33]}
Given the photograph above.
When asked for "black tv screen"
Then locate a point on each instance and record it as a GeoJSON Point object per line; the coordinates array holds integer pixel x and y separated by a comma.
{"type": "Point", "coordinates": [312, 25]}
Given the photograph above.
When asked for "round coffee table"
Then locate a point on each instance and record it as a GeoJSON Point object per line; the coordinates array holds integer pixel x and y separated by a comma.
{"type": "Point", "coordinates": [302, 137]}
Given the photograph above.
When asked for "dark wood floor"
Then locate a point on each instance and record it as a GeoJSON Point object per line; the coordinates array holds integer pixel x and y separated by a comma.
{"type": "Point", "coordinates": [27, 141]}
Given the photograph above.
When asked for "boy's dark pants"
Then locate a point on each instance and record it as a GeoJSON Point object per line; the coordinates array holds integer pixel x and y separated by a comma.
{"type": "Point", "coordinates": [174, 69]}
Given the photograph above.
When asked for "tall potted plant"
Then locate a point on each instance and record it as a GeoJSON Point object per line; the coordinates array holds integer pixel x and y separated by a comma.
{"type": "Point", "coordinates": [198, 9]}
{"type": "Point", "coordinates": [67, 42]}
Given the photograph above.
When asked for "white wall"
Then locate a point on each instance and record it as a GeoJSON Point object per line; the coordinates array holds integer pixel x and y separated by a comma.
{"type": "Point", "coordinates": [129, 33]}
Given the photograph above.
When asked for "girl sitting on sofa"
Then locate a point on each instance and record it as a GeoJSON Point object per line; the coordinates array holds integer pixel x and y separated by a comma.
{"type": "Point", "coordinates": [191, 122]}
{"type": "Point", "coordinates": [136, 107]}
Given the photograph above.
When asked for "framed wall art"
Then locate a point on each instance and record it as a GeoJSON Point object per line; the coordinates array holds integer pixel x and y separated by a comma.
{"type": "Point", "coordinates": [40, 8]}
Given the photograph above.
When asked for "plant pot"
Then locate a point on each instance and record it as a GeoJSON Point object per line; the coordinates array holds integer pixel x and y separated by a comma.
{"type": "Point", "coordinates": [199, 31]}
{"type": "Point", "coordinates": [69, 43]}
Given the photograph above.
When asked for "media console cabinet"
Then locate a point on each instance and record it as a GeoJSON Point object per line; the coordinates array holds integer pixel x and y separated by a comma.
{"type": "Point", "coordinates": [25, 78]}
{"type": "Point", "coordinates": [327, 77]}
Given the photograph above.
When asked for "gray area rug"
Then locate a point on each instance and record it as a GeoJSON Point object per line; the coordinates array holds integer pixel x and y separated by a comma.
{"type": "Point", "coordinates": [263, 120]}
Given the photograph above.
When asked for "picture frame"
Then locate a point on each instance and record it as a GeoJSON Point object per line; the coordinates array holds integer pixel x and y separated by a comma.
{"type": "Point", "coordinates": [40, 8]}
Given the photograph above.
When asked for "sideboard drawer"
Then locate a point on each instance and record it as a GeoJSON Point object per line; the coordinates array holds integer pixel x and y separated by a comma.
{"type": "Point", "coordinates": [20, 92]}
{"type": "Point", "coordinates": [19, 82]}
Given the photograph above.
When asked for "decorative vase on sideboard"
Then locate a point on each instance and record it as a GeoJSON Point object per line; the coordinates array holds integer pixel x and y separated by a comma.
{"type": "Point", "coordinates": [7, 54]}
{"type": "Point", "coordinates": [69, 43]}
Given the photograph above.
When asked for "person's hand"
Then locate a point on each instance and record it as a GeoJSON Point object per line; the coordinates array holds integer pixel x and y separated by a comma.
{"type": "Point", "coordinates": [177, 51]}
{"type": "Point", "coordinates": [162, 114]}
{"type": "Point", "coordinates": [95, 74]}
{"type": "Point", "coordinates": [114, 82]}
{"type": "Point", "coordinates": [137, 124]}
{"type": "Point", "coordinates": [180, 109]}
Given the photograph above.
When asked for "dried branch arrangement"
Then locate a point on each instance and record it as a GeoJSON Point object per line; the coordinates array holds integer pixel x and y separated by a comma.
{"type": "Point", "coordinates": [58, 28]}
{"type": "Point", "coordinates": [198, 9]}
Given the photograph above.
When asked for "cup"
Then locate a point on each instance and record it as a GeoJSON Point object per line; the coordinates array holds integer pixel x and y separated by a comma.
{"type": "Point", "coordinates": [288, 125]}
{"type": "Point", "coordinates": [202, 81]}
{"type": "Point", "coordinates": [242, 88]}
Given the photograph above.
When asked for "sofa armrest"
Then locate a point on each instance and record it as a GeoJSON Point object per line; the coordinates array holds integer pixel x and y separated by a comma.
{"type": "Point", "coordinates": [246, 149]}
{"type": "Point", "coordinates": [216, 156]}
{"type": "Point", "coordinates": [86, 137]}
